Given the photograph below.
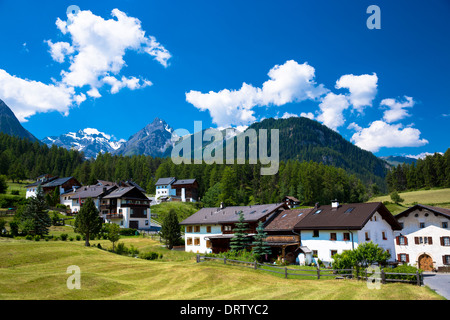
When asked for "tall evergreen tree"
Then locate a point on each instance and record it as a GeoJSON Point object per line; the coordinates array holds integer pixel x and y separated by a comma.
{"type": "Point", "coordinates": [35, 214]}
{"type": "Point", "coordinates": [260, 246]}
{"type": "Point", "coordinates": [88, 221]}
{"type": "Point", "coordinates": [240, 240]}
{"type": "Point", "coordinates": [170, 229]}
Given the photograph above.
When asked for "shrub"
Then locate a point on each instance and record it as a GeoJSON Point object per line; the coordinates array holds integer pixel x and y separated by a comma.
{"type": "Point", "coordinates": [61, 206]}
{"type": "Point", "coordinates": [402, 269]}
{"type": "Point", "coordinates": [71, 239]}
{"type": "Point", "coordinates": [15, 192]}
{"type": "Point", "coordinates": [150, 255]}
{"type": "Point", "coordinates": [64, 236]}
{"type": "Point", "coordinates": [121, 248]}
{"type": "Point", "coordinates": [128, 232]}
{"type": "Point", "coordinates": [133, 251]}
{"type": "Point", "coordinates": [78, 237]}
{"type": "Point", "coordinates": [29, 237]}
{"type": "Point", "coordinates": [37, 237]}
{"type": "Point", "coordinates": [99, 246]}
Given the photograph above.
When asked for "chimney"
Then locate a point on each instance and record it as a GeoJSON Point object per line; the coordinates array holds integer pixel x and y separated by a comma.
{"type": "Point", "coordinates": [335, 204]}
{"type": "Point", "coordinates": [222, 205]}
{"type": "Point", "coordinates": [316, 205]}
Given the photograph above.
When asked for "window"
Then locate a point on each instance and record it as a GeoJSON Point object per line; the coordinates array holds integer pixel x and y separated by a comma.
{"type": "Point", "coordinates": [445, 224]}
{"type": "Point", "coordinates": [446, 260]}
{"type": "Point", "coordinates": [189, 241]}
{"type": "Point", "coordinates": [189, 229]}
{"type": "Point", "coordinates": [401, 224]}
{"type": "Point", "coordinates": [208, 243]}
{"type": "Point", "coordinates": [196, 241]}
{"type": "Point", "coordinates": [445, 241]}
{"type": "Point", "coordinates": [422, 225]}
{"type": "Point", "coordinates": [146, 222]}
{"type": "Point", "coordinates": [196, 228]}
{"type": "Point", "coordinates": [403, 257]}
{"type": "Point", "coordinates": [383, 234]}
{"type": "Point", "coordinates": [226, 228]}
{"type": "Point", "coordinates": [208, 229]}
{"type": "Point", "coordinates": [333, 236]}
{"type": "Point", "coordinates": [349, 210]}
{"type": "Point", "coordinates": [402, 241]}
{"type": "Point", "coordinates": [346, 236]}
{"type": "Point", "coordinates": [333, 252]}
{"type": "Point", "coordinates": [318, 211]}
{"type": "Point", "coordinates": [315, 233]}
{"type": "Point", "coordinates": [315, 253]}
{"type": "Point", "coordinates": [367, 235]}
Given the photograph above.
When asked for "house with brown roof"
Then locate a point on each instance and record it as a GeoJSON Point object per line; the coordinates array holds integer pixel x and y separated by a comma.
{"type": "Point", "coordinates": [424, 240]}
{"type": "Point", "coordinates": [329, 229]}
{"type": "Point", "coordinates": [210, 230]}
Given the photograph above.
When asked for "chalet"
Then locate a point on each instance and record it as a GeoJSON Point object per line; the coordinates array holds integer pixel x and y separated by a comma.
{"type": "Point", "coordinates": [96, 192]}
{"type": "Point", "coordinates": [126, 206]}
{"type": "Point", "coordinates": [281, 236]}
{"type": "Point", "coordinates": [210, 230]}
{"type": "Point", "coordinates": [329, 229]}
{"type": "Point", "coordinates": [291, 202]}
{"type": "Point", "coordinates": [424, 240]}
{"type": "Point", "coordinates": [185, 190]}
{"type": "Point", "coordinates": [164, 188]}
{"type": "Point", "coordinates": [50, 183]}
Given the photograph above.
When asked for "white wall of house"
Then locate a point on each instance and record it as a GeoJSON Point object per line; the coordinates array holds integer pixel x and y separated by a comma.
{"type": "Point", "coordinates": [143, 223]}
{"type": "Point", "coordinates": [65, 200]}
{"type": "Point", "coordinates": [423, 224]}
{"type": "Point", "coordinates": [378, 230]}
{"type": "Point", "coordinates": [200, 246]}
{"type": "Point", "coordinates": [31, 192]}
{"type": "Point", "coordinates": [165, 191]}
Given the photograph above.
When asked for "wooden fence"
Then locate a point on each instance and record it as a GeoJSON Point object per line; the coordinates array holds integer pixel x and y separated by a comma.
{"type": "Point", "coordinates": [353, 273]}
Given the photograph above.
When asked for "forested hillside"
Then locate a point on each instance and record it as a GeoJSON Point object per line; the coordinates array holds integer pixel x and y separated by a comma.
{"type": "Point", "coordinates": [431, 172]}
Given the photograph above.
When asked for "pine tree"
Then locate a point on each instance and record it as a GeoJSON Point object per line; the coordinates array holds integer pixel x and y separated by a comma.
{"type": "Point", "coordinates": [88, 221]}
{"type": "Point", "coordinates": [240, 240]}
{"type": "Point", "coordinates": [170, 229]}
{"type": "Point", "coordinates": [35, 214]}
{"type": "Point", "coordinates": [260, 246]}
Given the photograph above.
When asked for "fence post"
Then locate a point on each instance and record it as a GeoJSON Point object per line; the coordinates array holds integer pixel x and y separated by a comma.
{"type": "Point", "coordinates": [418, 278]}
{"type": "Point", "coordinates": [318, 272]}
{"type": "Point", "coordinates": [225, 260]}
{"type": "Point", "coordinates": [256, 265]}
{"type": "Point", "coordinates": [383, 277]}
{"type": "Point", "coordinates": [285, 272]}
{"type": "Point", "coordinates": [198, 258]}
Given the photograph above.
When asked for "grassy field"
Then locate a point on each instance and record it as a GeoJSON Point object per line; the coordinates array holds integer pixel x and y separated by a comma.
{"type": "Point", "coordinates": [37, 270]}
{"type": "Point", "coordinates": [433, 197]}
{"type": "Point", "coordinates": [183, 209]}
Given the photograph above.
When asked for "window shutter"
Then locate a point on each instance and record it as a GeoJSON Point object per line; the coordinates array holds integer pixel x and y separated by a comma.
{"type": "Point", "coordinates": [443, 260]}
{"type": "Point", "coordinates": [407, 258]}
{"type": "Point", "coordinates": [406, 240]}
{"type": "Point", "coordinates": [398, 257]}
{"type": "Point", "coordinates": [430, 240]}
{"type": "Point", "coordinates": [416, 240]}
{"type": "Point", "coordinates": [442, 241]}
{"type": "Point", "coordinates": [397, 239]}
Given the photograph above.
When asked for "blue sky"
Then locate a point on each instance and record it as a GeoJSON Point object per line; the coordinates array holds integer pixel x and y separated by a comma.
{"type": "Point", "coordinates": [230, 63]}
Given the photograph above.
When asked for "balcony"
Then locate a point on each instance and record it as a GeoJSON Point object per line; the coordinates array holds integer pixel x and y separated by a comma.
{"type": "Point", "coordinates": [114, 216]}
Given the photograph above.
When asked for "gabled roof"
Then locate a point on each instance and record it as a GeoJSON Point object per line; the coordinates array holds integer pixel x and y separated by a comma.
{"type": "Point", "coordinates": [351, 216]}
{"type": "Point", "coordinates": [122, 192]}
{"type": "Point", "coordinates": [441, 211]}
{"type": "Point", "coordinates": [38, 182]}
{"type": "Point", "coordinates": [93, 191]}
{"type": "Point", "coordinates": [292, 198]}
{"type": "Point", "coordinates": [183, 182]}
{"type": "Point", "coordinates": [165, 181]}
{"type": "Point", "coordinates": [216, 215]}
{"type": "Point", "coordinates": [287, 219]}
{"type": "Point", "coordinates": [57, 182]}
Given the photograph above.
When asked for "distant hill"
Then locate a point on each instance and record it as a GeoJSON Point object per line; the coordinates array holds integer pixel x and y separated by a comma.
{"type": "Point", "coordinates": [10, 125]}
{"type": "Point", "coordinates": [304, 139]}
{"type": "Point", "coordinates": [396, 160]}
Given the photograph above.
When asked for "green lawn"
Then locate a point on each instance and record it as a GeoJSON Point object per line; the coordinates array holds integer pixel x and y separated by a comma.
{"type": "Point", "coordinates": [183, 209]}
{"type": "Point", "coordinates": [37, 270]}
{"type": "Point", "coordinates": [433, 197]}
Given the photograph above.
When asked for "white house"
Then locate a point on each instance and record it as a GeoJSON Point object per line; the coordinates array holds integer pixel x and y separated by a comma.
{"type": "Point", "coordinates": [164, 188]}
{"type": "Point", "coordinates": [424, 240]}
{"type": "Point", "coordinates": [330, 229]}
{"type": "Point", "coordinates": [210, 230]}
{"type": "Point", "coordinates": [127, 207]}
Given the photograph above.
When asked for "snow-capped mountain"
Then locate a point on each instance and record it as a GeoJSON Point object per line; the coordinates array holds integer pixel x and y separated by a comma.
{"type": "Point", "coordinates": [155, 139]}
{"type": "Point", "coordinates": [89, 140]}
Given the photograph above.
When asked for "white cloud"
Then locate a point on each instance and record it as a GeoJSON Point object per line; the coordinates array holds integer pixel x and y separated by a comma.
{"type": "Point", "coordinates": [98, 47]}
{"type": "Point", "coordinates": [354, 126]}
{"type": "Point", "coordinates": [27, 97]}
{"type": "Point", "coordinates": [332, 107]}
{"type": "Point", "coordinates": [381, 134]}
{"type": "Point", "coordinates": [362, 88]}
{"type": "Point", "coordinates": [396, 109]}
{"type": "Point", "coordinates": [290, 82]}
{"type": "Point", "coordinates": [308, 115]}
{"type": "Point", "coordinates": [59, 50]}
{"type": "Point", "coordinates": [288, 115]}
{"type": "Point", "coordinates": [131, 83]}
